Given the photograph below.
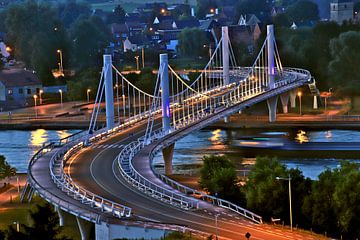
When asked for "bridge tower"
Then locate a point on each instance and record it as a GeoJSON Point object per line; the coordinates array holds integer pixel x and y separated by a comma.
{"type": "Point", "coordinates": [226, 59]}
{"type": "Point", "coordinates": [271, 102]}
{"type": "Point", "coordinates": [165, 100]}
{"type": "Point", "coordinates": [109, 96]}
{"type": "Point", "coordinates": [271, 58]}
{"type": "Point", "coordinates": [225, 54]}
{"type": "Point", "coordinates": [168, 152]}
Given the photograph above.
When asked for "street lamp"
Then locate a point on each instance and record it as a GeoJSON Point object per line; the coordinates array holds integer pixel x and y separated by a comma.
{"type": "Point", "coordinates": [88, 94]}
{"type": "Point", "coordinates": [61, 68]}
{"type": "Point", "coordinates": [17, 226]}
{"type": "Point", "coordinates": [35, 97]}
{"type": "Point", "coordinates": [137, 63]}
{"type": "Point", "coordinates": [61, 97]}
{"type": "Point", "coordinates": [290, 207]}
{"type": "Point", "coordinates": [299, 95]}
{"type": "Point", "coordinates": [40, 94]}
{"type": "Point", "coordinates": [216, 225]}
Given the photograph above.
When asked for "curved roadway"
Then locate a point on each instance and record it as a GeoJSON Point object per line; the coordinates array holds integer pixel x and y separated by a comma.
{"type": "Point", "coordinates": [93, 168]}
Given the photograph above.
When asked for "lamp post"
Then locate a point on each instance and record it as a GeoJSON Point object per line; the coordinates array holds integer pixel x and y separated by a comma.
{"type": "Point", "coordinates": [35, 97]}
{"type": "Point", "coordinates": [17, 226]}
{"type": "Point", "coordinates": [40, 95]}
{"type": "Point", "coordinates": [299, 95]}
{"type": "Point", "coordinates": [61, 97]}
{"type": "Point", "coordinates": [137, 63]}
{"type": "Point", "coordinates": [216, 225]}
{"type": "Point", "coordinates": [326, 97]}
{"type": "Point", "coordinates": [290, 207]}
{"type": "Point", "coordinates": [88, 94]}
{"type": "Point", "coordinates": [61, 68]}
{"type": "Point", "coordinates": [143, 57]}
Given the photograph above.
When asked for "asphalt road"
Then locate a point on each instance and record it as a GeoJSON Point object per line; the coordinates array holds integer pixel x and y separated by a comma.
{"type": "Point", "coordinates": [94, 169]}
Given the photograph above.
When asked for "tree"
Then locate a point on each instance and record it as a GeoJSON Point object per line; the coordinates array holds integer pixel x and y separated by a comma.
{"type": "Point", "coordinates": [309, 11]}
{"type": "Point", "coordinates": [36, 34]}
{"type": "Point", "coordinates": [71, 10]}
{"type": "Point", "coordinates": [192, 41]}
{"type": "Point", "coordinates": [117, 15]}
{"type": "Point", "coordinates": [218, 176]}
{"type": "Point", "coordinates": [89, 41]}
{"type": "Point", "coordinates": [344, 63]}
{"type": "Point", "coordinates": [44, 226]}
{"type": "Point", "coordinates": [6, 171]}
{"type": "Point", "coordinates": [257, 7]}
{"type": "Point", "coordinates": [270, 197]}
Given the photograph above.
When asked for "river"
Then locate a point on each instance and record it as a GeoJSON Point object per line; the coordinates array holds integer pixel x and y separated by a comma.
{"type": "Point", "coordinates": [189, 151]}
{"type": "Point", "coordinates": [19, 146]}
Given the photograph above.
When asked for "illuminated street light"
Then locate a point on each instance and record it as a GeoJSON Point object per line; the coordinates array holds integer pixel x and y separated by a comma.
{"type": "Point", "coordinates": [88, 94]}
{"type": "Point", "coordinates": [8, 49]}
{"type": "Point", "coordinates": [17, 226]}
{"type": "Point", "coordinates": [290, 207]}
{"type": "Point", "coordinates": [35, 97]}
{"type": "Point", "coordinates": [40, 94]}
{"type": "Point", "coordinates": [299, 95]}
{"type": "Point", "coordinates": [61, 67]}
{"type": "Point", "coordinates": [162, 10]}
{"type": "Point", "coordinates": [61, 97]}
{"type": "Point", "coordinates": [137, 63]}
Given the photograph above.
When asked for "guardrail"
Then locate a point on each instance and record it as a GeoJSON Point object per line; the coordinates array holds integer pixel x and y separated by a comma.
{"type": "Point", "coordinates": [66, 184]}
{"type": "Point", "coordinates": [133, 177]}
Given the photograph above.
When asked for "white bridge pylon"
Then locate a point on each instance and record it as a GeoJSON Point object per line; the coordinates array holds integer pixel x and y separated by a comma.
{"type": "Point", "coordinates": [180, 102]}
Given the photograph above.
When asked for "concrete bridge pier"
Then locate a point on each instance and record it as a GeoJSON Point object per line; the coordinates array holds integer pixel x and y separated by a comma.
{"type": "Point", "coordinates": [168, 154]}
{"type": "Point", "coordinates": [84, 228]}
{"type": "Point", "coordinates": [272, 104]}
{"type": "Point", "coordinates": [315, 104]}
{"type": "Point", "coordinates": [285, 101]}
{"type": "Point", "coordinates": [61, 215]}
{"type": "Point", "coordinates": [106, 231]}
{"type": "Point", "coordinates": [293, 98]}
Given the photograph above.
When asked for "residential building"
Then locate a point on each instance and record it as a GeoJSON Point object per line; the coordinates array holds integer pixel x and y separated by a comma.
{"type": "Point", "coordinates": [18, 84]}
{"type": "Point", "coordinates": [341, 10]}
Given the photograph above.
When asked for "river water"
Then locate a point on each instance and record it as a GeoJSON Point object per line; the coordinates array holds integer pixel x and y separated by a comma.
{"type": "Point", "coordinates": [19, 146]}
{"type": "Point", "coordinates": [189, 151]}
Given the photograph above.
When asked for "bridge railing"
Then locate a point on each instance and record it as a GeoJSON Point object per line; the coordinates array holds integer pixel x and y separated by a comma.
{"type": "Point", "coordinates": [201, 195]}
{"type": "Point", "coordinates": [129, 173]}
{"type": "Point", "coordinates": [65, 183]}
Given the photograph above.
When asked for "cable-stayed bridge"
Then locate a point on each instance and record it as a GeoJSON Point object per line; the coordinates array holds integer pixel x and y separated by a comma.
{"type": "Point", "coordinates": [117, 189]}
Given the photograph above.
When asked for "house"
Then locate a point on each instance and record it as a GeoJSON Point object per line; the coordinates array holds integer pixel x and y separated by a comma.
{"type": "Point", "coordinates": [248, 20]}
{"type": "Point", "coordinates": [341, 10]}
{"type": "Point", "coordinates": [18, 84]}
{"type": "Point", "coordinates": [245, 34]}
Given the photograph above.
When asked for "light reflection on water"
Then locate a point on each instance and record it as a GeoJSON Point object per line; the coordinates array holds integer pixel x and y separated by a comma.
{"type": "Point", "coordinates": [19, 146]}
{"type": "Point", "coordinates": [189, 150]}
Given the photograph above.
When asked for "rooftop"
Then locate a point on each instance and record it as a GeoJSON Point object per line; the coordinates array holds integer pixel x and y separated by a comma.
{"type": "Point", "coordinates": [18, 78]}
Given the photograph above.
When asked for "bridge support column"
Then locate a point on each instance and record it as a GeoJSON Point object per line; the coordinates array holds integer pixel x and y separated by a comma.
{"type": "Point", "coordinates": [84, 228]}
{"type": "Point", "coordinates": [165, 100]}
{"type": "Point", "coordinates": [225, 54]}
{"type": "Point", "coordinates": [109, 95]}
{"type": "Point", "coordinates": [272, 104]}
{"type": "Point", "coordinates": [271, 58]}
{"type": "Point", "coordinates": [226, 119]}
{"type": "Point", "coordinates": [61, 215]}
{"type": "Point", "coordinates": [168, 154]}
{"type": "Point", "coordinates": [106, 231]}
{"type": "Point", "coordinates": [284, 101]}
{"type": "Point", "coordinates": [293, 98]}
{"type": "Point", "coordinates": [315, 105]}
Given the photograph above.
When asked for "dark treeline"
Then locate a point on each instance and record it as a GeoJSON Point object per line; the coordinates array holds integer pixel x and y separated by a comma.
{"type": "Point", "coordinates": [329, 204]}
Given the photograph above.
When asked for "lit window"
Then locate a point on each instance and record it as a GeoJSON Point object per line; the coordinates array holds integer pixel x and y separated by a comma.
{"type": "Point", "coordinates": [10, 91]}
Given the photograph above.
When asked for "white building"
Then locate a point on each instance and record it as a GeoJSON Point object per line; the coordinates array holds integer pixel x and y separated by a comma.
{"type": "Point", "coordinates": [341, 10]}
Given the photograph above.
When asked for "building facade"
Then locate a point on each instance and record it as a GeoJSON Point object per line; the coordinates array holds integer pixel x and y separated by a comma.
{"type": "Point", "coordinates": [341, 10]}
{"type": "Point", "coordinates": [18, 85]}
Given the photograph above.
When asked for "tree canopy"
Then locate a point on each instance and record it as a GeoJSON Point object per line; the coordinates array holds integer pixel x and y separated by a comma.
{"type": "Point", "coordinates": [192, 41]}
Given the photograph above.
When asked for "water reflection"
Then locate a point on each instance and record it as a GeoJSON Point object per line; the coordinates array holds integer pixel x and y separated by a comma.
{"type": "Point", "coordinates": [216, 136]}
{"type": "Point", "coordinates": [301, 137]}
{"type": "Point", "coordinates": [19, 146]}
